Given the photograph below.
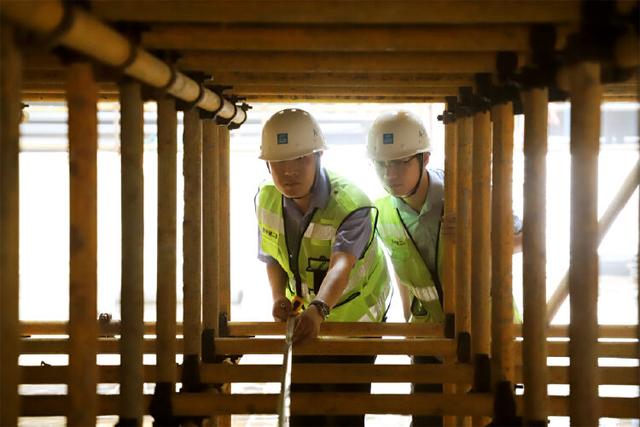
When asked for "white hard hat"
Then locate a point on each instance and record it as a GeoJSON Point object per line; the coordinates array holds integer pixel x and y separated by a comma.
{"type": "Point", "coordinates": [397, 135]}
{"type": "Point", "coordinates": [290, 134]}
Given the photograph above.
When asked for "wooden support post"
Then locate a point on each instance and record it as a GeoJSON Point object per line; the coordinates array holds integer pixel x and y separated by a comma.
{"type": "Point", "coordinates": [463, 248]}
{"type": "Point", "coordinates": [224, 182]}
{"type": "Point", "coordinates": [449, 218]}
{"type": "Point", "coordinates": [449, 240]}
{"type": "Point", "coordinates": [586, 94]}
{"type": "Point", "coordinates": [132, 291]}
{"type": "Point", "coordinates": [481, 248]}
{"type": "Point", "coordinates": [166, 293]}
{"type": "Point", "coordinates": [463, 224]}
{"type": "Point", "coordinates": [535, 257]}
{"type": "Point", "coordinates": [82, 98]}
{"type": "Point", "coordinates": [502, 244]}
{"type": "Point", "coordinates": [166, 275]}
{"type": "Point", "coordinates": [481, 235]}
{"type": "Point", "coordinates": [192, 246]}
{"type": "Point", "coordinates": [10, 113]}
{"type": "Point", "coordinates": [210, 231]}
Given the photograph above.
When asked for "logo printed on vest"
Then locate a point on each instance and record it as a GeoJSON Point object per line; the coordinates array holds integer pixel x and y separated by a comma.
{"type": "Point", "coordinates": [398, 242]}
{"type": "Point", "coordinates": [267, 232]}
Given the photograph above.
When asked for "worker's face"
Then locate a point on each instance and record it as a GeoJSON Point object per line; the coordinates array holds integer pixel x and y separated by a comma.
{"type": "Point", "coordinates": [401, 175]}
{"type": "Point", "coordinates": [294, 178]}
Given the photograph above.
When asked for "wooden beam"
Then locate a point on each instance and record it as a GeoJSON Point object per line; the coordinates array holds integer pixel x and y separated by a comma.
{"type": "Point", "coordinates": [357, 329]}
{"type": "Point", "coordinates": [481, 235]}
{"type": "Point", "coordinates": [132, 213]}
{"type": "Point", "coordinates": [213, 373]}
{"type": "Point", "coordinates": [10, 115]}
{"type": "Point", "coordinates": [310, 62]}
{"type": "Point", "coordinates": [585, 94]}
{"type": "Point", "coordinates": [224, 238]}
{"type": "Point", "coordinates": [210, 226]}
{"type": "Point", "coordinates": [341, 12]}
{"type": "Point", "coordinates": [625, 350]}
{"type": "Point", "coordinates": [303, 90]}
{"type": "Point", "coordinates": [83, 260]}
{"type": "Point", "coordinates": [502, 244]}
{"type": "Point", "coordinates": [343, 346]}
{"type": "Point", "coordinates": [192, 232]}
{"type": "Point", "coordinates": [464, 164]}
{"type": "Point", "coordinates": [166, 327]}
{"type": "Point", "coordinates": [237, 329]}
{"type": "Point", "coordinates": [535, 255]}
{"type": "Point", "coordinates": [205, 404]}
{"type": "Point", "coordinates": [347, 38]}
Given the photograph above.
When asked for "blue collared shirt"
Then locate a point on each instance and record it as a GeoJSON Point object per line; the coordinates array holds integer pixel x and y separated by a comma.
{"type": "Point", "coordinates": [424, 226]}
{"type": "Point", "coordinates": [352, 236]}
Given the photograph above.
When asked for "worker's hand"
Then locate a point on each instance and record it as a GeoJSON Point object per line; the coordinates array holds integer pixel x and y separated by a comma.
{"type": "Point", "coordinates": [307, 325]}
{"type": "Point", "coordinates": [281, 309]}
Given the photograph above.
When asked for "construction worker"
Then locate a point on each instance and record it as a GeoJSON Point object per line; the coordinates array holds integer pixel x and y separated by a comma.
{"type": "Point", "coordinates": [316, 236]}
{"type": "Point", "coordinates": [409, 221]}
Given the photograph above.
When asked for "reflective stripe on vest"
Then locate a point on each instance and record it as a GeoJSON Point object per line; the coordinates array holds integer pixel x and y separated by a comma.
{"type": "Point", "coordinates": [368, 287]}
{"type": "Point", "coordinates": [407, 261]}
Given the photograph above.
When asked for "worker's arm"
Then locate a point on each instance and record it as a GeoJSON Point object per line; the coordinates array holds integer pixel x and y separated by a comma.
{"type": "Point", "coordinates": [405, 297]}
{"type": "Point", "coordinates": [278, 282]}
{"type": "Point", "coordinates": [335, 282]}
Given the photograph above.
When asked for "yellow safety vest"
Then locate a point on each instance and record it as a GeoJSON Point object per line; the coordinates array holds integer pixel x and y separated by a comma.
{"type": "Point", "coordinates": [364, 298]}
{"type": "Point", "coordinates": [409, 265]}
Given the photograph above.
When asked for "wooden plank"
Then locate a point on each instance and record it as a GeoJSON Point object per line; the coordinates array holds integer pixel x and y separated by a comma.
{"type": "Point", "coordinates": [481, 235]}
{"type": "Point", "coordinates": [623, 350]}
{"type": "Point", "coordinates": [353, 329]}
{"type": "Point", "coordinates": [463, 223]}
{"type": "Point", "coordinates": [166, 327]}
{"type": "Point", "coordinates": [303, 90]}
{"type": "Point", "coordinates": [339, 373]}
{"type": "Point", "coordinates": [83, 262]}
{"type": "Point", "coordinates": [327, 373]}
{"type": "Point", "coordinates": [192, 232]}
{"type": "Point", "coordinates": [306, 38]}
{"type": "Point", "coordinates": [10, 115]}
{"type": "Point", "coordinates": [502, 243]}
{"type": "Point", "coordinates": [608, 375]}
{"type": "Point", "coordinates": [627, 350]}
{"type": "Point", "coordinates": [345, 346]}
{"type": "Point", "coordinates": [205, 404]}
{"type": "Point", "coordinates": [210, 226]}
{"type": "Point", "coordinates": [132, 213]}
{"type": "Point", "coordinates": [310, 62]}
{"type": "Point", "coordinates": [535, 255]}
{"type": "Point", "coordinates": [585, 94]}
{"type": "Point", "coordinates": [610, 407]}
{"type": "Point", "coordinates": [340, 12]}
{"type": "Point", "coordinates": [224, 238]}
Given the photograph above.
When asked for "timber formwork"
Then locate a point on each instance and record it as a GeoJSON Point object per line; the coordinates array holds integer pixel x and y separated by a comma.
{"type": "Point", "coordinates": [487, 61]}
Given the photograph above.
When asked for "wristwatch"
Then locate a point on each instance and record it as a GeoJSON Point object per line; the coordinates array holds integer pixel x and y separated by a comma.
{"type": "Point", "coordinates": [323, 308]}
